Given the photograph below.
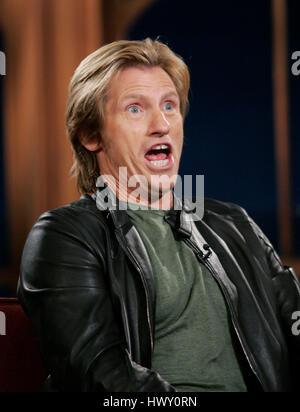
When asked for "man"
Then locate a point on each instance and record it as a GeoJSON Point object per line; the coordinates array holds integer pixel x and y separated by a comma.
{"type": "Point", "coordinates": [151, 299]}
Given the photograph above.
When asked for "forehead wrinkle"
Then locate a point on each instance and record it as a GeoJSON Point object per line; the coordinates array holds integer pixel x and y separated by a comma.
{"type": "Point", "coordinates": [143, 97]}
{"type": "Point", "coordinates": [135, 94]}
{"type": "Point", "coordinates": [136, 88]}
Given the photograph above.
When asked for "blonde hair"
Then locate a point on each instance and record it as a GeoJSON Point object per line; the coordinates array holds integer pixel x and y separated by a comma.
{"type": "Point", "coordinates": [88, 91]}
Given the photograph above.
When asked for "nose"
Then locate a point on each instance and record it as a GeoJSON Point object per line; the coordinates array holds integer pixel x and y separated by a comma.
{"type": "Point", "coordinates": [159, 125]}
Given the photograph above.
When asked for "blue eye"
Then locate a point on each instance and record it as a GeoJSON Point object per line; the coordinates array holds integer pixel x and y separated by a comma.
{"type": "Point", "coordinates": [133, 109]}
{"type": "Point", "coordinates": [169, 106]}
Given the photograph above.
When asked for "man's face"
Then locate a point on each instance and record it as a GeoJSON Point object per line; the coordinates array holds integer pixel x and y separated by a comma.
{"type": "Point", "coordinates": [142, 112]}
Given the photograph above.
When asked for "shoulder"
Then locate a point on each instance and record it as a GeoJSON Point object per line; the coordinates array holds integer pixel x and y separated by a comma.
{"type": "Point", "coordinates": [77, 222]}
{"type": "Point", "coordinates": [221, 214]}
{"type": "Point", "coordinates": [75, 214]}
{"type": "Point", "coordinates": [65, 249]}
{"type": "Point", "coordinates": [232, 218]}
{"type": "Point", "coordinates": [226, 210]}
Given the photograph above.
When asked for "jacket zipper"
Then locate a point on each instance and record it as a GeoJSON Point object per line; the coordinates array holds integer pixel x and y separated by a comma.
{"type": "Point", "coordinates": [244, 346]}
{"type": "Point", "coordinates": [139, 269]}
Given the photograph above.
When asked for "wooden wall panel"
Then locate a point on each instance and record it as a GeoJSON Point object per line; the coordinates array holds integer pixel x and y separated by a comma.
{"type": "Point", "coordinates": [281, 125]}
{"type": "Point", "coordinates": [44, 42]}
{"type": "Point", "coordinates": [119, 15]}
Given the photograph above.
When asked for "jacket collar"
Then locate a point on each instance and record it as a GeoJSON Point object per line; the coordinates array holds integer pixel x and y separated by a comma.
{"type": "Point", "coordinates": [178, 216]}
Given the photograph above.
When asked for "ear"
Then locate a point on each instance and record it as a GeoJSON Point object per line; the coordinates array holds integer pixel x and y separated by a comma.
{"type": "Point", "coordinates": [92, 146]}
{"type": "Point", "coordinates": [91, 143]}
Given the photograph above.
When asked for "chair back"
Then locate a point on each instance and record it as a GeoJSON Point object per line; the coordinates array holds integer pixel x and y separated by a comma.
{"type": "Point", "coordinates": [21, 367]}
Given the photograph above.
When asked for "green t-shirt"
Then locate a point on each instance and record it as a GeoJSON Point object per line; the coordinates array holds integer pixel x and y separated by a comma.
{"type": "Point", "coordinates": [193, 347]}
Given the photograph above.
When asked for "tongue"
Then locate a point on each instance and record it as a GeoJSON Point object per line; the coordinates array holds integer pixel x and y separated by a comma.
{"type": "Point", "coordinates": [156, 156]}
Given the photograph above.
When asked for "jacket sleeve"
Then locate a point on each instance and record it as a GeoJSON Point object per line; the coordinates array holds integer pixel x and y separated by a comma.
{"type": "Point", "coordinates": [287, 289]}
{"type": "Point", "coordinates": [64, 290]}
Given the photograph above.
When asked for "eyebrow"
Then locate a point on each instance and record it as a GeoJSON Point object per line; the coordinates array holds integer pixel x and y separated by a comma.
{"type": "Point", "coordinates": [143, 97]}
{"type": "Point", "coordinates": [171, 94]}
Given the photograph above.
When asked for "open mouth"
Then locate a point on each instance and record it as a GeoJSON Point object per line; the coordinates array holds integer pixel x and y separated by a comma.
{"type": "Point", "coordinates": [160, 156]}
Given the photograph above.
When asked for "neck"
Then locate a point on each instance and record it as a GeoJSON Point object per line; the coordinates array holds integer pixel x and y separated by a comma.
{"type": "Point", "coordinates": [151, 198]}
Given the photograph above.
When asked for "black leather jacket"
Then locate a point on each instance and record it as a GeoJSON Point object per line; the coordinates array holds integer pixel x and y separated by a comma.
{"type": "Point", "coordinates": [86, 283]}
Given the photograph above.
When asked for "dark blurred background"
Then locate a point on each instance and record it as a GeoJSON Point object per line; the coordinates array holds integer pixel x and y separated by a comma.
{"type": "Point", "coordinates": [242, 130]}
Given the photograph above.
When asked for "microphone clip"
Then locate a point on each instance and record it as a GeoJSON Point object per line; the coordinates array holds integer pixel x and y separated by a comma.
{"type": "Point", "coordinates": [206, 255]}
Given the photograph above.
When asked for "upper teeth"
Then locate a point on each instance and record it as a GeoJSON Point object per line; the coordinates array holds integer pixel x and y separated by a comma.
{"type": "Point", "coordinates": [160, 147]}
